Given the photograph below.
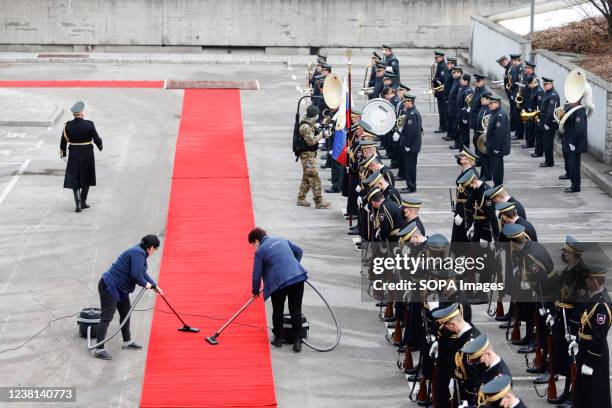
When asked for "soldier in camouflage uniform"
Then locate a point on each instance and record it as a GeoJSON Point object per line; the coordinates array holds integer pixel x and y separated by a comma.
{"type": "Point", "coordinates": [310, 137]}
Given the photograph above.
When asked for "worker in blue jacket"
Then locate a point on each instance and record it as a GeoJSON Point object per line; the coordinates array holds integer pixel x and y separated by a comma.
{"type": "Point", "coordinates": [115, 286]}
{"type": "Point", "coordinates": [277, 262]}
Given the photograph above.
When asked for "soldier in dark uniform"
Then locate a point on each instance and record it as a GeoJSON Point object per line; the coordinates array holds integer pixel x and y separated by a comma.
{"type": "Point", "coordinates": [483, 158]}
{"type": "Point", "coordinates": [451, 109]}
{"type": "Point", "coordinates": [547, 123]}
{"type": "Point", "coordinates": [388, 219]}
{"type": "Point", "coordinates": [504, 62]}
{"type": "Point", "coordinates": [498, 140]}
{"type": "Point", "coordinates": [376, 59]}
{"type": "Point", "coordinates": [593, 355]}
{"type": "Point", "coordinates": [498, 393]}
{"type": "Point", "coordinates": [527, 94]}
{"type": "Point", "coordinates": [437, 86]}
{"type": "Point", "coordinates": [376, 165]}
{"type": "Point", "coordinates": [391, 61]}
{"type": "Point", "coordinates": [478, 363]}
{"type": "Point", "coordinates": [463, 112]}
{"type": "Point", "coordinates": [466, 159]}
{"type": "Point", "coordinates": [410, 209]}
{"type": "Point", "coordinates": [499, 194]}
{"type": "Point", "coordinates": [517, 75]}
{"type": "Point", "coordinates": [320, 60]}
{"type": "Point", "coordinates": [451, 62]}
{"type": "Point", "coordinates": [480, 89]}
{"type": "Point", "coordinates": [537, 95]}
{"type": "Point", "coordinates": [379, 77]}
{"type": "Point", "coordinates": [454, 332]}
{"type": "Point", "coordinates": [79, 135]}
{"type": "Point", "coordinates": [574, 143]}
{"type": "Point", "coordinates": [508, 214]}
{"type": "Point", "coordinates": [410, 143]}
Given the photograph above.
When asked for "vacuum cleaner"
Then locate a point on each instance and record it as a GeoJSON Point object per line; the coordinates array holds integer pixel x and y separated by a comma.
{"type": "Point", "coordinates": [213, 339]}
{"type": "Point", "coordinates": [89, 318]}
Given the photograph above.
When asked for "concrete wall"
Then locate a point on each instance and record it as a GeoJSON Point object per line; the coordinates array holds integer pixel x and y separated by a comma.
{"type": "Point", "coordinates": [489, 41]}
{"type": "Point", "coordinates": [600, 122]}
{"type": "Point", "coordinates": [238, 23]}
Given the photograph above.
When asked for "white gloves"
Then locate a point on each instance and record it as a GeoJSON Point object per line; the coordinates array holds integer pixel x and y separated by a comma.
{"type": "Point", "coordinates": [407, 149]}
{"type": "Point", "coordinates": [572, 350]}
{"type": "Point", "coordinates": [377, 235]}
{"type": "Point", "coordinates": [464, 121]}
{"type": "Point", "coordinates": [470, 232]}
{"type": "Point", "coordinates": [496, 151]}
{"type": "Point", "coordinates": [586, 370]}
{"type": "Point", "coordinates": [358, 189]}
{"type": "Point", "coordinates": [464, 404]}
{"type": "Point", "coordinates": [572, 147]}
{"type": "Point", "coordinates": [542, 311]}
{"type": "Point", "coordinates": [546, 127]}
{"type": "Point", "coordinates": [458, 220]}
{"type": "Point", "coordinates": [359, 201]}
{"type": "Point", "coordinates": [433, 350]}
{"type": "Point", "coordinates": [550, 321]}
{"type": "Point", "coordinates": [484, 243]}
{"type": "Point", "coordinates": [396, 137]}
{"type": "Point", "coordinates": [570, 337]}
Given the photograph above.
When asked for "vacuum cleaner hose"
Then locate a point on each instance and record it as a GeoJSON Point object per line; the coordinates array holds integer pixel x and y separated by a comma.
{"type": "Point", "coordinates": [338, 330]}
{"type": "Point", "coordinates": [93, 346]}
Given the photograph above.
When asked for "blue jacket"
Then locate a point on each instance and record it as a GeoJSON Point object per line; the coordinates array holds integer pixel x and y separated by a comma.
{"type": "Point", "coordinates": [277, 262]}
{"type": "Point", "coordinates": [127, 271]}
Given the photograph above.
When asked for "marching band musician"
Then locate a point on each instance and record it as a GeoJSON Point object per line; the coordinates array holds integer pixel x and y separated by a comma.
{"type": "Point", "coordinates": [463, 112]}
{"type": "Point", "coordinates": [517, 86]}
{"type": "Point", "coordinates": [438, 80]}
{"type": "Point", "coordinates": [410, 143]}
{"type": "Point", "coordinates": [504, 62]}
{"type": "Point", "coordinates": [547, 123]}
{"type": "Point", "coordinates": [391, 61]}
{"type": "Point", "coordinates": [574, 143]}
{"type": "Point", "coordinates": [379, 77]}
{"type": "Point", "coordinates": [451, 109]}
{"type": "Point", "coordinates": [498, 139]}
{"type": "Point", "coordinates": [533, 129]}
{"type": "Point", "coordinates": [483, 158]}
{"type": "Point", "coordinates": [376, 59]}
{"type": "Point", "coordinates": [451, 62]}
{"type": "Point", "coordinates": [527, 93]}
{"type": "Point", "coordinates": [480, 89]}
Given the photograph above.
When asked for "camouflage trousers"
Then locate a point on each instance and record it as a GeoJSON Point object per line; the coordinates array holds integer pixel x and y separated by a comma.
{"type": "Point", "coordinates": [310, 177]}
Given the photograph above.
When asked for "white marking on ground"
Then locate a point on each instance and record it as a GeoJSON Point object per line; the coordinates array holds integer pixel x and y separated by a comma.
{"type": "Point", "coordinates": [39, 144]}
{"type": "Point", "coordinates": [13, 181]}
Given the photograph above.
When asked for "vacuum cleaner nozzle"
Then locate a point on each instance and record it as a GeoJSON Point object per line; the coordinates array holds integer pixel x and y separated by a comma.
{"type": "Point", "coordinates": [213, 339]}
{"type": "Point", "coordinates": [189, 329]}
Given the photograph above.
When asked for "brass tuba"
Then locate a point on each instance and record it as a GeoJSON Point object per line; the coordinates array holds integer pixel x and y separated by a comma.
{"type": "Point", "coordinates": [577, 90]}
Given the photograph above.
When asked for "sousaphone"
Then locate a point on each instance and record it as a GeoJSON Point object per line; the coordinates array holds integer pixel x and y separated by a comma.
{"type": "Point", "coordinates": [576, 89]}
{"type": "Point", "coordinates": [332, 91]}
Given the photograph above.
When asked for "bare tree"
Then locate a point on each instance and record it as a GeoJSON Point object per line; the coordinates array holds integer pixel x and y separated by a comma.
{"type": "Point", "coordinates": [604, 7]}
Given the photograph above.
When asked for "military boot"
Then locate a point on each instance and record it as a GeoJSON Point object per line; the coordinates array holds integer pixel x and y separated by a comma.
{"type": "Point", "coordinates": [302, 202]}
{"type": "Point", "coordinates": [322, 204]}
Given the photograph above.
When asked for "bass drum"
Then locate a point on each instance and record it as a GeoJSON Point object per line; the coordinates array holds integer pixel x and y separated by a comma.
{"type": "Point", "coordinates": [380, 115]}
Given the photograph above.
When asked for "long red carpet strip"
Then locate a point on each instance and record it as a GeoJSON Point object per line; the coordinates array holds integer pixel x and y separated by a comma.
{"type": "Point", "coordinates": [81, 84]}
{"type": "Point", "coordinates": [206, 268]}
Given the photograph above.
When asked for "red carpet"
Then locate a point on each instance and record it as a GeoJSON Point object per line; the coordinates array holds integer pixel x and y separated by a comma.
{"type": "Point", "coordinates": [81, 84]}
{"type": "Point", "coordinates": [206, 269]}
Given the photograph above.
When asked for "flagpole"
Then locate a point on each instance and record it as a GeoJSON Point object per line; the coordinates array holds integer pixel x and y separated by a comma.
{"type": "Point", "coordinates": [349, 54]}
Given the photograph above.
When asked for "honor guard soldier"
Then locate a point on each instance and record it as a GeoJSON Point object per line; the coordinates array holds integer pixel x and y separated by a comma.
{"type": "Point", "coordinates": [480, 132]}
{"type": "Point", "coordinates": [451, 62]}
{"type": "Point", "coordinates": [574, 143]}
{"type": "Point", "coordinates": [388, 219]}
{"type": "Point", "coordinates": [508, 214]}
{"type": "Point", "coordinates": [410, 209]}
{"type": "Point", "coordinates": [376, 165]}
{"type": "Point", "coordinates": [437, 86]}
{"type": "Point", "coordinates": [477, 364]}
{"type": "Point", "coordinates": [591, 346]}
{"type": "Point", "coordinates": [466, 159]}
{"type": "Point", "coordinates": [79, 135]}
{"type": "Point", "coordinates": [566, 323]}
{"type": "Point", "coordinates": [498, 139]}
{"type": "Point", "coordinates": [454, 333]}
{"type": "Point", "coordinates": [451, 109]}
{"type": "Point", "coordinates": [498, 393]}
{"type": "Point", "coordinates": [410, 143]}
{"type": "Point", "coordinates": [391, 61]}
{"type": "Point", "coordinates": [310, 136]}
{"type": "Point", "coordinates": [517, 89]}
{"type": "Point", "coordinates": [499, 194]}
{"type": "Point", "coordinates": [547, 123]}
{"type": "Point", "coordinates": [504, 62]}
{"type": "Point", "coordinates": [387, 189]}
{"type": "Point", "coordinates": [465, 99]}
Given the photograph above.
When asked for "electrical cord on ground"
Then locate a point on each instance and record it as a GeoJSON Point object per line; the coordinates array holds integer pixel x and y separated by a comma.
{"type": "Point", "coordinates": [338, 330]}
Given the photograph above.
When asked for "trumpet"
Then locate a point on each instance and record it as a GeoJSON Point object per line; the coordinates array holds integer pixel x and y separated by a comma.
{"type": "Point", "coordinates": [529, 116]}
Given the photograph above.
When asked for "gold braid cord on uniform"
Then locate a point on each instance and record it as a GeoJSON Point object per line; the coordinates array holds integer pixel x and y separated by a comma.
{"type": "Point", "coordinates": [460, 371]}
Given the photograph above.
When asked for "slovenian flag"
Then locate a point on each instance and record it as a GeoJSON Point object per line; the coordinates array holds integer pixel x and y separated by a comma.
{"type": "Point", "coordinates": [342, 127]}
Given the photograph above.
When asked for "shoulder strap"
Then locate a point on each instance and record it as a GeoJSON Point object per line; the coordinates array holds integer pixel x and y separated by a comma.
{"type": "Point", "coordinates": [65, 135]}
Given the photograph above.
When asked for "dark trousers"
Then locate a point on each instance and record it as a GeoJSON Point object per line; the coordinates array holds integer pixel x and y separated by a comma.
{"type": "Point", "coordinates": [566, 163]}
{"type": "Point", "coordinates": [574, 170]}
{"type": "Point", "coordinates": [409, 165]}
{"type": "Point", "coordinates": [337, 173]}
{"type": "Point", "coordinates": [108, 305]}
{"type": "Point", "coordinates": [539, 140]}
{"type": "Point", "coordinates": [442, 112]}
{"type": "Point", "coordinates": [485, 167]}
{"type": "Point", "coordinates": [294, 293]}
{"type": "Point", "coordinates": [529, 133]}
{"type": "Point", "coordinates": [496, 164]}
{"type": "Point", "coordinates": [515, 120]}
{"type": "Point", "coordinates": [463, 135]}
{"type": "Point", "coordinates": [451, 123]}
{"type": "Point", "coordinates": [548, 139]}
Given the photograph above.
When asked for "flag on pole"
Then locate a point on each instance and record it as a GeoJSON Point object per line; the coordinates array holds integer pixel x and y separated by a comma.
{"type": "Point", "coordinates": [339, 147]}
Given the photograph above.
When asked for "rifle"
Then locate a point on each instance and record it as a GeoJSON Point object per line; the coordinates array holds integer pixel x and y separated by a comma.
{"type": "Point", "coordinates": [573, 367]}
